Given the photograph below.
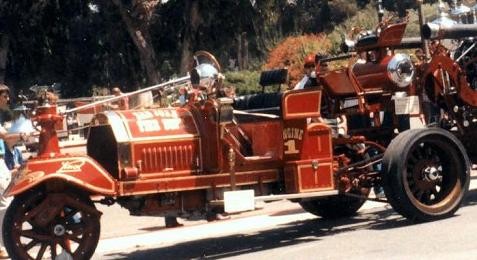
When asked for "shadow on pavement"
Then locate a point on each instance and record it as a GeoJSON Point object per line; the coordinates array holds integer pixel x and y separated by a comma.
{"type": "Point", "coordinates": [470, 199]}
{"type": "Point", "coordinates": [285, 235]}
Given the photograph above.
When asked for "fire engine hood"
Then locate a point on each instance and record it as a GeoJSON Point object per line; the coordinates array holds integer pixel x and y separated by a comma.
{"type": "Point", "coordinates": [137, 125]}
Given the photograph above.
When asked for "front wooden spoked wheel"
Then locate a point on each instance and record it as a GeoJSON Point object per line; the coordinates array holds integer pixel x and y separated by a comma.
{"type": "Point", "coordinates": [34, 229]}
{"type": "Point", "coordinates": [427, 174]}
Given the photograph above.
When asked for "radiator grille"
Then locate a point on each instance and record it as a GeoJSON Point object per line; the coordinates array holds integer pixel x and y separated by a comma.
{"type": "Point", "coordinates": [167, 158]}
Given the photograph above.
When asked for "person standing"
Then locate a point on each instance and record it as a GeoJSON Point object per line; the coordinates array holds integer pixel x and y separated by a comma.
{"type": "Point", "coordinates": [10, 159]}
{"type": "Point", "coordinates": [309, 79]}
{"type": "Point", "coordinates": [5, 178]}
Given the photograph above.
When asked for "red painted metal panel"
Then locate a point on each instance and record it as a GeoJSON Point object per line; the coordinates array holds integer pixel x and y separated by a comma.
{"type": "Point", "coordinates": [317, 142]}
{"type": "Point", "coordinates": [194, 182]}
{"type": "Point", "coordinates": [312, 152]}
{"type": "Point", "coordinates": [308, 176]}
{"type": "Point", "coordinates": [392, 34]}
{"type": "Point", "coordinates": [161, 122]}
{"type": "Point", "coordinates": [266, 138]}
{"type": "Point", "coordinates": [374, 76]}
{"type": "Point", "coordinates": [338, 83]}
{"type": "Point", "coordinates": [301, 104]}
{"type": "Point", "coordinates": [81, 171]}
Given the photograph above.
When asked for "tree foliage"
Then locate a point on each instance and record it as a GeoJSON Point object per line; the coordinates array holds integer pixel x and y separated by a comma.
{"type": "Point", "coordinates": [66, 42]}
{"type": "Point", "coordinates": [132, 43]}
{"type": "Point", "coordinates": [137, 16]}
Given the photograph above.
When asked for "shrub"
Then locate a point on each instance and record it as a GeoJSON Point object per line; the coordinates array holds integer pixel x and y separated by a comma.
{"type": "Point", "coordinates": [244, 82]}
{"type": "Point", "coordinates": [291, 52]}
{"type": "Point", "coordinates": [430, 13]}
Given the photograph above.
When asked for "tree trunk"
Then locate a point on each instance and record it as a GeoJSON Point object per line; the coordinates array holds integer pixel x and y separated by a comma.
{"type": "Point", "coordinates": [266, 24]}
{"type": "Point", "coordinates": [192, 21]}
{"type": "Point", "coordinates": [245, 50]}
{"type": "Point", "coordinates": [239, 51]}
{"type": "Point", "coordinates": [4, 46]}
{"type": "Point", "coordinates": [186, 56]}
{"type": "Point", "coordinates": [260, 37]}
{"type": "Point", "coordinates": [324, 15]}
{"type": "Point", "coordinates": [139, 33]}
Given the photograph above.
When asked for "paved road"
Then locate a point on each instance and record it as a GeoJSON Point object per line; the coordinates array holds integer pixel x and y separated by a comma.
{"type": "Point", "coordinates": [376, 233]}
{"type": "Point", "coordinates": [282, 230]}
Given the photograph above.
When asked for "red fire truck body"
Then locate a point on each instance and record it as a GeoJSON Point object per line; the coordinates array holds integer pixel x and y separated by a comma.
{"type": "Point", "coordinates": [221, 154]}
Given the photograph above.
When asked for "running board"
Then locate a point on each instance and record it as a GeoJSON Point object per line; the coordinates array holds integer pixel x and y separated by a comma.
{"type": "Point", "coordinates": [297, 195]}
{"type": "Point", "coordinates": [285, 196]}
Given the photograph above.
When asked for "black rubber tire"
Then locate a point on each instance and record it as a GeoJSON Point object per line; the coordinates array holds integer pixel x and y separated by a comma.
{"type": "Point", "coordinates": [14, 234]}
{"type": "Point", "coordinates": [408, 185]}
{"type": "Point", "coordinates": [341, 205]}
{"type": "Point", "coordinates": [333, 207]}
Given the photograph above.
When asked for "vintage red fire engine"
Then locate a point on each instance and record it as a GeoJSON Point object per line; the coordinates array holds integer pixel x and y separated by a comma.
{"type": "Point", "coordinates": [219, 154]}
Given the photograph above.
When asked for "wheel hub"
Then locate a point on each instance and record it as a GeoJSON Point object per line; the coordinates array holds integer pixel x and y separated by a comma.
{"type": "Point", "coordinates": [432, 174]}
{"type": "Point", "coordinates": [59, 230]}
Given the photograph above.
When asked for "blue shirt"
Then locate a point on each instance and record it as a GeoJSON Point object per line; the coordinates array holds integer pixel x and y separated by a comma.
{"type": "Point", "coordinates": [12, 157]}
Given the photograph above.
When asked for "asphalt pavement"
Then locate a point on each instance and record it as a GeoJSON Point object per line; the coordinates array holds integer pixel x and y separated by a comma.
{"type": "Point", "coordinates": [136, 235]}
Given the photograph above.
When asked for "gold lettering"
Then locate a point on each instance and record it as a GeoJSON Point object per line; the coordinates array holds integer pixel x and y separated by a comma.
{"type": "Point", "coordinates": [168, 113]}
{"type": "Point", "coordinates": [171, 123]}
{"type": "Point", "coordinates": [71, 166]}
{"type": "Point", "coordinates": [149, 125]}
{"type": "Point", "coordinates": [292, 133]}
{"type": "Point", "coordinates": [141, 115]}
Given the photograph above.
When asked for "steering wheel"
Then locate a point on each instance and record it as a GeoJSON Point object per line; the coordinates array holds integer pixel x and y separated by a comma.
{"type": "Point", "coordinates": [201, 57]}
{"type": "Point", "coordinates": [205, 74]}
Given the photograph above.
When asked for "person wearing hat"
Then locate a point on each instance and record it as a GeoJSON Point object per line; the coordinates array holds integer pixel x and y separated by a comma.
{"type": "Point", "coordinates": [309, 79]}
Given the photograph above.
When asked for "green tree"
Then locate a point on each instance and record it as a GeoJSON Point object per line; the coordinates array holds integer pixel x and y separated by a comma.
{"type": "Point", "coordinates": [137, 16]}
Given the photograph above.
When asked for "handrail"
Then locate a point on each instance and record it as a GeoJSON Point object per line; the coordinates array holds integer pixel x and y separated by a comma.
{"type": "Point", "coordinates": [139, 91]}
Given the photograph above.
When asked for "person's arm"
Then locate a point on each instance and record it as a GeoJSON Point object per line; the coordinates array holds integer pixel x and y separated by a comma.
{"type": "Point", "coordinates": [111, 106]}
{"type": "Point", "coordinates": [301, 83]}
{"type": "Point", "coordinates": [124, 103]}
{"type": "Point", "coordinates": [12, 138]}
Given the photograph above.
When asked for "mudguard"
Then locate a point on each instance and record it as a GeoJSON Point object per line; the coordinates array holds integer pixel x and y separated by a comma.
{"type": "Point", "coordinates": [82, 171]}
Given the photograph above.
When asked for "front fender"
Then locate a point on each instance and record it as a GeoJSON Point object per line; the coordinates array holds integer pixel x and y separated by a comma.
{"type": "Point", "coordinates": [82, 171]}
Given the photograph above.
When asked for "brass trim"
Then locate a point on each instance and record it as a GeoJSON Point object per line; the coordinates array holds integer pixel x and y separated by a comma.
{"type": "Point", "coordinates": [166, 138]}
